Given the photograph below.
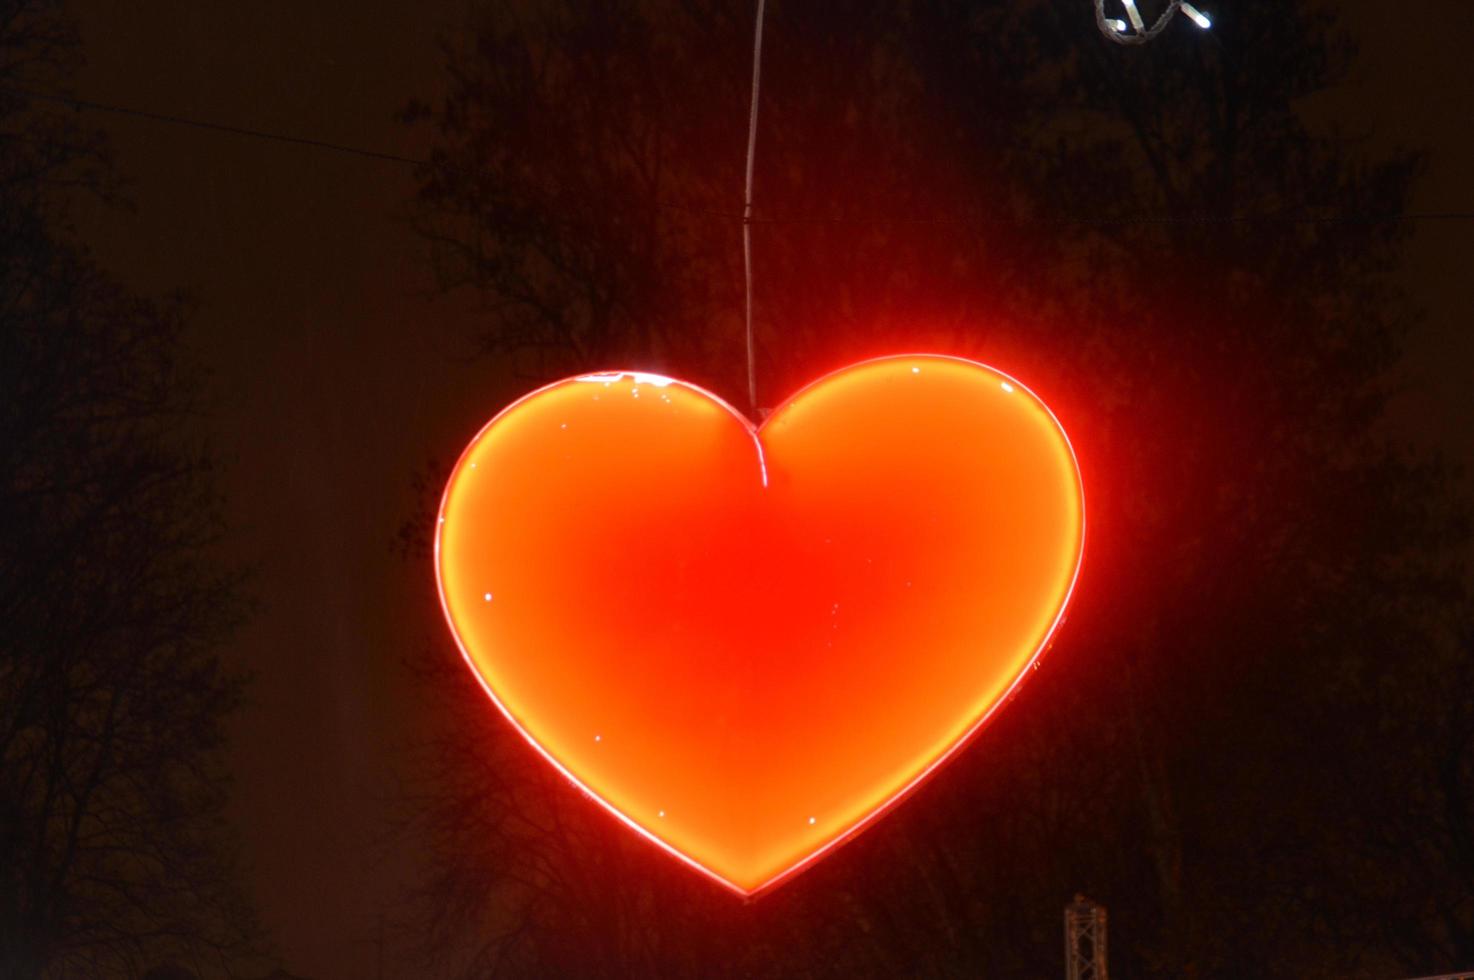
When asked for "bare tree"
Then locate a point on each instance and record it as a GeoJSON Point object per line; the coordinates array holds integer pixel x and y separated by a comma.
{"type": "Point", "coordinates": [1155, 237]}
{"type": "Point", "coordinates": [112, 694]}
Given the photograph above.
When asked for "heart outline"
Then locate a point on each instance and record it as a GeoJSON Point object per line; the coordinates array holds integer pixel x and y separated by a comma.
{"type": "Point", "coordinates": [754, 432]}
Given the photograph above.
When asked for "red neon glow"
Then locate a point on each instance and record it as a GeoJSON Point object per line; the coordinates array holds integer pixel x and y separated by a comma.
{"type": "Point", "coordinates": [748, 643]}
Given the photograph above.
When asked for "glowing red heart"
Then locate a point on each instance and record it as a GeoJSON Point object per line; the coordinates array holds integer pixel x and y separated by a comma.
{"type": "Point", "coordinates": [747, 643]}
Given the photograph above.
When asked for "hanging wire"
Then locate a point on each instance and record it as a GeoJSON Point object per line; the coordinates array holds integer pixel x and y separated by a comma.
{"type": "Point", "coordinates": [757, 65]}
{"type": "Point", "coordinates": [1136, 31]}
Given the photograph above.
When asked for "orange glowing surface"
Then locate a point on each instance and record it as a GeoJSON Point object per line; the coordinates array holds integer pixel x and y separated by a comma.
{"type": "Point", "coordinates": [747, 643]}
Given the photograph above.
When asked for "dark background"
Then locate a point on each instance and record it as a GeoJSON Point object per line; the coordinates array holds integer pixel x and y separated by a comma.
{"type": "Point", "coordinates": [336, 368]}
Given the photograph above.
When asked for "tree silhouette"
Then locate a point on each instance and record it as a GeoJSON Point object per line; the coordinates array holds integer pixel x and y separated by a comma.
{"type": "Point", "coordinates": [1227, 746]}
{"type": "Point", "coordinates": [112, 697]}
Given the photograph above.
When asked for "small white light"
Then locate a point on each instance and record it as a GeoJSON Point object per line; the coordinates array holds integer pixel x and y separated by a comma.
{"type": "Point", "coordinates": [563, 425]}
{"type": "Point", "coordinates": [916, 370]}
{"type": "Point", "coordinates": [811, 821]}
{"type": "Point", "coordinates": [1197, 16]}
{"type": "Point", "coordinates": [1134, 15]}
{"type": "Point", "coordinates": [473, 466]}
{"type": "Point", "coordinates": [1007, 387]}
{"type": "Point", "coordinates": [598, 738]}
{"type": "Point", "coordinates": [486, 596]}
{"type": "Point", "coordinates": [1116, 24]}
{"type": "Point", "coordinates": [662, 814]}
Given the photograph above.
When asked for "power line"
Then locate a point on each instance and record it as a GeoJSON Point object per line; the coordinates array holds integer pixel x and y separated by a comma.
{"type": "Point", "coordinates": [261, 134]}
{"type": "Point", "coordinates": [1282, 217]}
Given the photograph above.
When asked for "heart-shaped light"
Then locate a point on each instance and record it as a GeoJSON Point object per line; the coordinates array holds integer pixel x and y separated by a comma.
{"type": "Point", "coordinates": [747, 643]}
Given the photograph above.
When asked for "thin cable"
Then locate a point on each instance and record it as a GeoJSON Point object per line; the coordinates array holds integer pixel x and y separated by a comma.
{"type": "Point", "coordinates": [757, 64]}
{"type": "Point", "coordinates": [74, 103]}
{"type": "Point", "coordinates": [1448, 214]}
{"type": "Point", "coordinates": [1140, 33]}
{"type": "Point", "coordinates": [261, 134]}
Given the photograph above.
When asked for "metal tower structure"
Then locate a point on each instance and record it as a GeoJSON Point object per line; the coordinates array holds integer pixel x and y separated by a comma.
{"type": "Point", "coordinates": [1085, 940]}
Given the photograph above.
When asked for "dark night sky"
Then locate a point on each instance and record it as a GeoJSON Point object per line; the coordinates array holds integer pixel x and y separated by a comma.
{"type": "Point", "coordinates": [336, 371]}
